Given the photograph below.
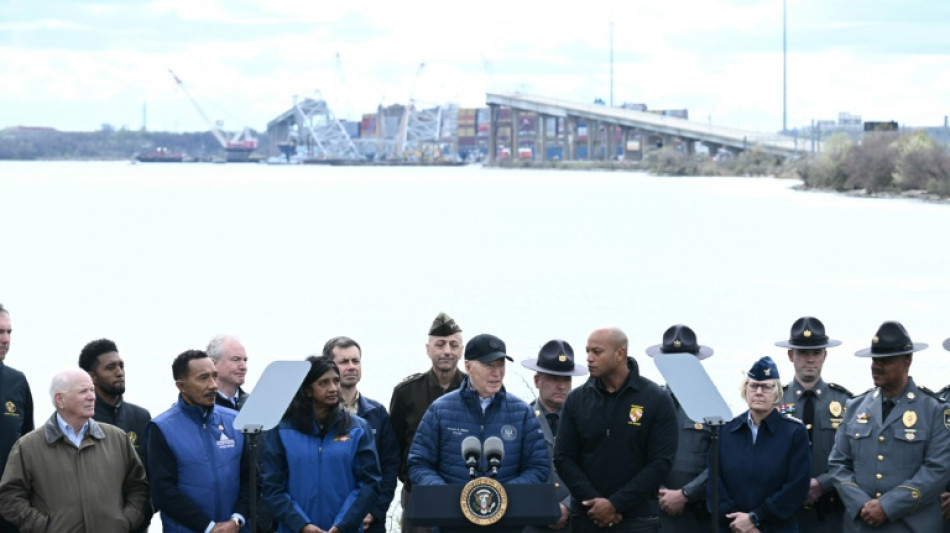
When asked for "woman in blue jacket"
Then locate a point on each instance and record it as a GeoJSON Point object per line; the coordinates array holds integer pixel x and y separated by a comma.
{"type": "Point", "coordinates": [321, 473]}
{"type": "Point", "coordinates": [764, 458]}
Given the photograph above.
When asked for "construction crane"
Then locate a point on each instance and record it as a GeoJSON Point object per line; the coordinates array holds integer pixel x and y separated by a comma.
{"type": "Point", "coordinates": [239, 147]}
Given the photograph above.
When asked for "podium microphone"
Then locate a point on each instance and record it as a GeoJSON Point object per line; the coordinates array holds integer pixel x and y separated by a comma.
{"type": "Point", "coordinates": [471, 452]}
{"type": "Point", "coordinates": [494, 452]}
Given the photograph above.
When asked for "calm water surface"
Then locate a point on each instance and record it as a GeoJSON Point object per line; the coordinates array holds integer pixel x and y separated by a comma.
{"type": "Point", "coordinates": [160, 258]}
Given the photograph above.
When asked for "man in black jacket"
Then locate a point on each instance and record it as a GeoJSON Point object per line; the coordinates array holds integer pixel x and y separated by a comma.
{"type": "Point", "coordinates": [17, 402]}
{"type": "Point", "coordinates": [101, 359]}
{"type": "Point", "coordinates": [616, 441]}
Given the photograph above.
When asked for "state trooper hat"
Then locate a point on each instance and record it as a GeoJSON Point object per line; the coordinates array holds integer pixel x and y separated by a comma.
{"type": "Point", "coordinates": [556, 357]}
{"type": "Point", "coordinates": [680, 339]}
{"type": "Point", "coordinates": [763, 369]}
{"type": "Point", "coordinates": [443, 326]}
{"type": "Point", "coordinates": [808, 333]}
{"type": "Point", "coordinates": [891, 339]}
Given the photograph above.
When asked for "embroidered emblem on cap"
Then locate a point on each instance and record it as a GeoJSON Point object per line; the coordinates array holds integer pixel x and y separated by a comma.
{"type": "Point", "coordinates": [677, 343]}
{"type": "Point", "coordinates": [767, 371]}
{"type": "Point", "coordinates": [807, 333]}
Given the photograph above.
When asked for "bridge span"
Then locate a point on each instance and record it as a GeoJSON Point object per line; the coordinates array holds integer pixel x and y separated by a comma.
{"type": "Point", "coordinates": [633, 125]}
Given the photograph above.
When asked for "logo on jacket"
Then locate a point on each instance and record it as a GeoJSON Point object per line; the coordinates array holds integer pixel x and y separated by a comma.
{"type": "Point", "coordinates": [508, 432]}
{"type": "Point", "coordinates": [133, 437]}
{"type": "Point", "coordinates": [225, 442]}
{"type": "Point", "coordinates": [11, 408]}
{"type": "Point", "coordinates": [483, 501]}
{"type": "Point", "coordinates": [636, 413]}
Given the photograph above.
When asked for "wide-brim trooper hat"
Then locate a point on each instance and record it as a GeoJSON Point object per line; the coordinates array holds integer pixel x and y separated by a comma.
{"type": "Point", "coordinates": [808, 333]}
{"type": "Point", "coordinates": [891, 339]}
{"type": "Point", "coordinates": [680, 339]}
{"type": "Point", "coordinates": [556, 357]}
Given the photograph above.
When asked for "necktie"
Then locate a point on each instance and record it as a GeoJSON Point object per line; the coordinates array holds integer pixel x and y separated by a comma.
{"type": "Point", "coordinates": [552, 422]}
{"type": "Point", "coordinates": [886, 409]}
{"type": "Point", "coordinates": [808, 410]}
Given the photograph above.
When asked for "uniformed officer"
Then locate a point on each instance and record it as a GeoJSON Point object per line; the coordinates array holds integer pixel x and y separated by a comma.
{"type": "Point", "coordinates": [891, 458]}
{"type": "Point", "coordinates": [553, 368]}
{"type": "Point", "coordinates": [415, 394]}
{"type": "Point", "coordinates": [820, 405]}
{"type": "Point", "coordinates": [682, 497]}
{"type": "Point", "coordinates": [944, 395]}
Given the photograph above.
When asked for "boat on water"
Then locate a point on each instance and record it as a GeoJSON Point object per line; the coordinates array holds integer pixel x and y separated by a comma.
{"type": "Point", "coordinates": [160, 155]}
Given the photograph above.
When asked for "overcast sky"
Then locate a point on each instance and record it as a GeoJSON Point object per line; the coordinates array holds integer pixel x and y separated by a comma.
{"type": "Point", "coordinates": [75, 65]}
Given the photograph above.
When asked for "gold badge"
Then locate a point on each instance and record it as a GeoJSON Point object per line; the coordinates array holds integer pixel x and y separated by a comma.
{"type": "Point", "coordinates": [677, 343]}
{"type": "Point", "coordinates": [767, 371]}
{"type": "Point", "coordinates": [910, 418]}
{"type": "Point", "coordinates": [636, 413]}
{"type": "Point", "coordinates": [835, 409]}
{"type": "Point", "coordinates": [483, 501]}
{"type": "Point", "coordinates": [807, 333]}
{"type": "Point", "coordinates": [697, 426]}
{"type": "Point", "coordinates": [562, 358]}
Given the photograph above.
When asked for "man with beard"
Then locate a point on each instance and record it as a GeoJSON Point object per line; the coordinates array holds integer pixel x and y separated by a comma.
{"type": "Point", "coordinates": [820, 406]}
{"type": "Point", "coordinates": [196, 459]}
{"type": "Point", "coordinates": [415, 394]}
{"type": "Point", "coordinates": [348, 356]}
{"type": "Point", "coordinates": [17, 401]}
{"type": "Point", "coordinates": [74, 474]}
{"type": "Point", "coordinates": [101, 359]}
{"type": "Point", "coordinates": [891, 458]}
{"type": "Point", "coordinates": [230, 360]}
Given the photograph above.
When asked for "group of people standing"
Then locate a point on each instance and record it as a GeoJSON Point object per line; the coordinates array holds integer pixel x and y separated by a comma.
{"type": "Point", "coordinates": [620, 450]}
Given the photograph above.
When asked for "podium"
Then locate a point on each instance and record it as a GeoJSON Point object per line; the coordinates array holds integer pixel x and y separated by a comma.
{"type": "Point", "coordinates": [440, 505]}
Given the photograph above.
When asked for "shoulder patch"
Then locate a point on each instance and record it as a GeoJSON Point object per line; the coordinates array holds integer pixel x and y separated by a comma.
{"type": "Point", "coordinates": [839, 388]}
{"type": "Point", "coordinates": [793, 419]}
{"type": "Point", "coordinates": [410, 378]}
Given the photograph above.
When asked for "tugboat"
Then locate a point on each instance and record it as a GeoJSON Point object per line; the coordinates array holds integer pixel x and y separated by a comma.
{"type": "Point", "coordinates": [160, 155]}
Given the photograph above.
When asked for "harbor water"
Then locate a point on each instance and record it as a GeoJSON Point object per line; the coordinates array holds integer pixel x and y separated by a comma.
{"type": "Point", "coordinates": [161, 257]}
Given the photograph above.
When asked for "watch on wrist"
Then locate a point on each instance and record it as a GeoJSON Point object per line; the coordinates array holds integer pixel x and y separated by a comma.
{"type": "Point", "coordinates": [754, 518]}
{"type": "Point", "coordinates": [685, 492]}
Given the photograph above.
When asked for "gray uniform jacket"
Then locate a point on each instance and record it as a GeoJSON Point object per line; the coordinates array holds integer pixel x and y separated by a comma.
{"type": "Point", "coordinates": [563, 495]}
{"type": "Point", "coordinates": [903, 461]}
{"type": "Point", "coordinates": [830, 402]}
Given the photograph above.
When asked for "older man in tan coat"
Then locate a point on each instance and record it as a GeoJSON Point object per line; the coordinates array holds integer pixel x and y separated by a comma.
{"type": "Point", "coordinates": [73, 474]}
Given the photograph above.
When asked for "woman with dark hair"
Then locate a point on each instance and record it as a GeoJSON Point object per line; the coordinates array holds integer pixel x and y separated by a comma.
{"type": "Point", "coordinates": [320, 473]}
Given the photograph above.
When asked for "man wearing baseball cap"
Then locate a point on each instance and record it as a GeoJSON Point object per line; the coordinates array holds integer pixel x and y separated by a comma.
{"type": "Point", "coordinates": [891, 458]}
{"type": "Point", "coordinates": [820, 406]}
{"type": "Point", "coordinates": [480, 408]}
{"type": "Point", "coordinates": [554, 367]}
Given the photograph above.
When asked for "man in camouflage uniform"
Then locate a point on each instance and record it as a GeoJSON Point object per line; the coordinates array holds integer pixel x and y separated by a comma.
{"type": "Point", "coordinates": [820, 406]}
{"type": "Point", "coordinates": [891, 458]}
{"type": "Point", "coordinates": [415, 394]}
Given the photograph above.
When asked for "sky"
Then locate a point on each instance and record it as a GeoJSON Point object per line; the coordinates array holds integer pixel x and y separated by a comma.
{"type": "Point", "coordinates": [77, 65]}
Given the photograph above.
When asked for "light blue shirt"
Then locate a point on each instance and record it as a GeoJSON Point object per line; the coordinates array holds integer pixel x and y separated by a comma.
{"type": "Point", "coordinates": [484, 402]}
{"type": "Point", "coordinates": [753, 427]}
{"type": "Point", "coordinates": [74, 437]}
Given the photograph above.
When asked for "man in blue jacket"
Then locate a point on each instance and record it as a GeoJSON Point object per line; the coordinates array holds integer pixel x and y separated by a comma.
{"type": "Point", "coordinates": [480, 408]}
{"type": "Point", "coordinates": [348, 356]}
{"type": "Point", "coordinates": [196, 462]}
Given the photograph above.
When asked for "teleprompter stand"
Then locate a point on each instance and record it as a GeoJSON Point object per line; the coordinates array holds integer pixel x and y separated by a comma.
{"type": "Point", "coordinates": [695, 391]}
{"type": "Point", "coordinates": [263, 410]}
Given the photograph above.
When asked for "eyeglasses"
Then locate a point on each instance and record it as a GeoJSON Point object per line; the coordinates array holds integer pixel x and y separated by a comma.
{"type": "Point", "coordinates": [764, 387]}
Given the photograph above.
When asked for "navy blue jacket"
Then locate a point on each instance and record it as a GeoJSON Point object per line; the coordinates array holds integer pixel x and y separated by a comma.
{"type": "Point", "coordinates": [387, 449]}
{"type": "Point", "coordinates": [16, 420]}
{"type": "Point", "coordinates": [435, 454]}
{"type": "Point", "coordinates": [328, 477]}
{"type": "Point", "coordinates": [770, 477]}
{"type": "Point", "coordinates": [196, 466]}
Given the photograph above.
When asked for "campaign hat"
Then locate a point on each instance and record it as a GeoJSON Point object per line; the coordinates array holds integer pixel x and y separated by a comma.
{"type": "Point", "coordinates": [555, 357]}
{"type": "Point", "coordinates": [680, 339]}
{"type": "Point", "coordinates": [443, 326]}
{"type": "Point", "coordinates": [485, 348]}
{"type": "Point", "coordinates": [891, 339]}
{"type": "Point", "coordinates": [764, 369]}
{"type": "Point", "coordinates": [808, 333]}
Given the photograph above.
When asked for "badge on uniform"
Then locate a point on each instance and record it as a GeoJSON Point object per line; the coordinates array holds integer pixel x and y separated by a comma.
{"type": "Point", "coordinates": [835, 408]}
{"type": "Point", "coordinates": [909, 418]}
{"type": "Point", "coordinates": [225, 442]}
{"type": "Point", "coordinates": [10, 407]}
{"type": "Point", "coordinates": [786, 408]}
{"type": "Point", "coordinates": [636, 413]}
{"type": "Point", "coordinates": [862, 418]}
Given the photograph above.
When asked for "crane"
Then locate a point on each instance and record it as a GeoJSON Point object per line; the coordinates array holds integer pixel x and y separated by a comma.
{"type": "Point", "coordinates": [239, 146]}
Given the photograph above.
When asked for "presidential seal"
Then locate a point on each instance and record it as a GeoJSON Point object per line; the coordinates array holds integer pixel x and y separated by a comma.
{"type": "Point", "coordinates": [483, 501]}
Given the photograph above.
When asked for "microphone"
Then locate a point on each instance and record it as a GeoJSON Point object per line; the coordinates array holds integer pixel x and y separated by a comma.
{"type": "Point", "coordinates": [471, 452]}
{"type": "Point", "coordinates": [494, 453]}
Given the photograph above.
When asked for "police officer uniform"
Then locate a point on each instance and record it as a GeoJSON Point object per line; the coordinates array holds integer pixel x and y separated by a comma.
{"type": "Point", "coordinates": [901, 458]}
{"type": "Point", "coordinates": [556, 357]}
{"type": "Point", "coordinates": [826, 401]}
{"type": "Point", "coordinates": [944, 395]}
{"type": "Point", "coordinates": [689, 473]}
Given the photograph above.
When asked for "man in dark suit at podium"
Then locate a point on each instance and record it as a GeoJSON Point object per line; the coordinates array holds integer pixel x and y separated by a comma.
{"type": "Point", "coordinates": [554, 368]}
